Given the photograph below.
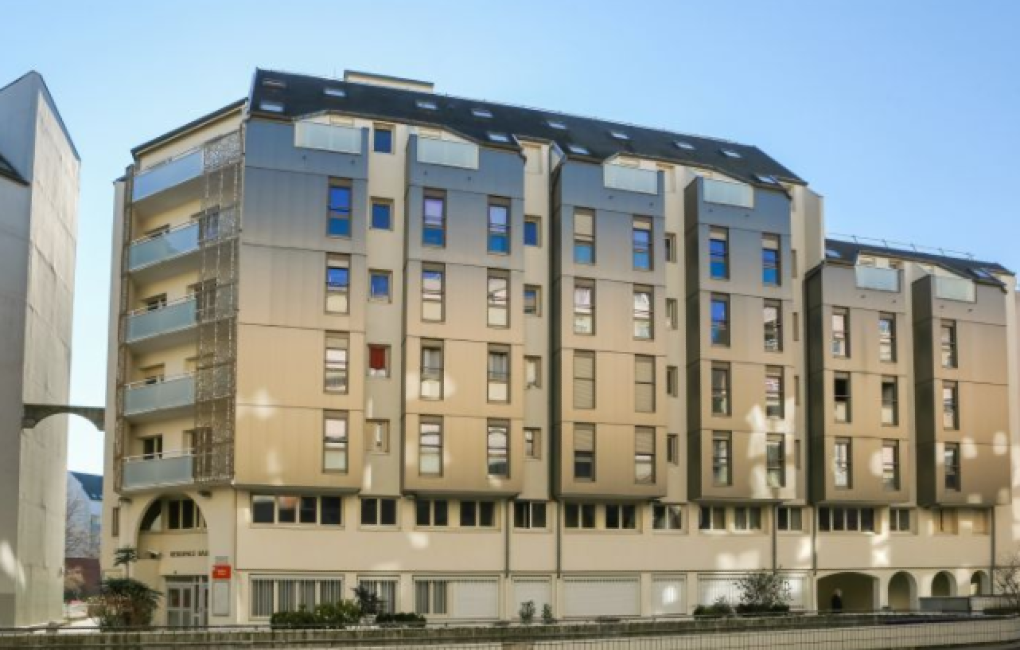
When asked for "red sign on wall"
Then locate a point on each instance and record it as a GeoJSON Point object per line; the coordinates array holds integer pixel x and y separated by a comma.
{"type": "Point", "coordinates": [221, 572]}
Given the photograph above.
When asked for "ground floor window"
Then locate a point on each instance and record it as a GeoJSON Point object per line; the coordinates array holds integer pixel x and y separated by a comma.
{"type": "Point", "coordinates": [287, 594]}
{"type": "Point", "coordinates": [430, 597]}
{"type": "Point", "coordinates": [386, 590]}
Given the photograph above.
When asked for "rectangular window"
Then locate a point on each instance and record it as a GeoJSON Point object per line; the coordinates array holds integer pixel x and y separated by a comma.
{"type": "Point", "coordinates": [672, 313]}
{"type": "Point", "coordinates": [336, 362]}
{"type": "Point", "coordinates": [621, 516]}
{"type": "Point", "coordinates": [899, 520]}
{"type": "Point", "coordinates": [721, 459]}
{"type": "Point", "coordinates": [263, 509]}
{"type": "Point", "coordinates": [950, 406]}
{"type": "Point", "coordinates": [584, 237]}
{"type": "Point", "coordinates": [891, 465]}
{"type": "Point", "coordinates": [643, 313]}
{"type": "Point", "coordinates": [771, 272]}
{"type": "Point", "coordinates": [432, 513]}
{"type": "Point", "coordinates": [775, 461]}
{"type": "Point", "coordinates": [644, 455]}
{"type": "Point", "coordinates": [433, 293]}
{"type": "Point", "coordinates": [499, 374]}
{"type": "Point", "coordinates": [115, 521]}
{"type": "Point", "coordinates": [339, 215]}
{"type": "Point", "coordinates": [584, 452]}
{"type": "Point", "coordinates": [796, 326]}
{"type": "Point", "coordinates": [382, 139]}
{"type": "Point", "coordinates": [431, 597]}
{"type": "Point", "coordinates": [286, 509]}
{"type": "Point", "coordinates": [584, 307]}
{"type": "Point", "coordinates": [579, 515]}
{"type": "Point", "coordinates": [720, 320]}
{"type": "Point", "coordinates": [842, 464]}
{"type": "Point", "coordinates": [378, 512]}
{"type": "Point", "coordinates": [857, 520]}
{"type": "Point", "coordinates": [948, 340]}
{"type": "Point", "coordinates": [533, 444]}
{"type": "Point", "coordinates": [712, 518]}
{"type": "Point", "coordinates": [498, 297]}
{"type": "Point", "coordinates": [670, 243]}
{"type": "Point", "coordinates": [377, 436]}
{"type": "Point", "coordinates": [673, 449]}
{"type": "Point", "coordinates": [790, 519]}
{"type": "Point", "coordinates": [773, 314]}
{"type": "Point", "coordinates": [584, 380]}
{"type": "Point", "coordinates": [529, 514]}
{"type": "Point", "coordinates": [152, 447]}
{"type": "Point", "coordinates": [890, 401]}
{"type": "Point", "coordinates": [433, 231]}
{"type": "Point", "coordinates": [952, 466]}
{"type": "Point", "coordinates": [644, 384]}
{"type": "Point", "coordinates": [430, 447]}
{"type": "Point", "coordinates": [499, 226]}
{"type": "Point", "coordinates": [498, 446]}
{"type": "Point", "coordinates": [944, 520]}
{"type": "Point", "coordinates": [532, 231]}
{"type": "Point", "coordinates": [718, 254]}
{"type": "Point", "coordinates": [382, 214]}
{"type": "Point", "coordinates": [334, 442]}
{"type": "Point", "coordinates": [642, 244]}
{"type": "Point", "coordinates": [338, 284]}
{"type": "Point", "coordinates": [672, 381]}
{"type": "Point", "coordinates": [747, 518]}
{"type": "Point", "coordinates": [532, 300]}
{"type": "Point", "coordinates": [841, 397]}
{"type": "Point", "coordinates": [379, 286]}
{"type": "Point", "coordinates": [887, 337]}
{"type": "Point", "coordinates": [775, 400]}
{"type": "Point", "coordinates": [840, 332]}
{"type": "Point", "coordinates": [477, 514]}
{"type": "Point", "coordinates": [721, 389]}
{"type": "Point", "coordinates": [532, 372]}
{"type": "Point", "coordinates": [667, 517]}
{"type": "Point", "coordinates": [432, 369]}
{"type": "Point", "coordinates": [378, 360]}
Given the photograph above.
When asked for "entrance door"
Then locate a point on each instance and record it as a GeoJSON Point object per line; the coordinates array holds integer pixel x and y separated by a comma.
{"type": "Point", "coordinates": [187, 600]}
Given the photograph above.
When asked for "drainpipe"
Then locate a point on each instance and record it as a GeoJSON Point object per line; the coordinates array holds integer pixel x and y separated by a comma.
{"type": "Point", "coordinates": [506, 540]}
{"type": "Point", "coordinates": [775, 540]}
{"type": "Point", "coordinates": [559, 540]}
{"type": "Point", "coordinates": [991, 575]}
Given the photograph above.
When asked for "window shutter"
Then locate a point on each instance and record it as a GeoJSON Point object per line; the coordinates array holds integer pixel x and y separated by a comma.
{"type": "Point", "coordinates": [377, 357]}
{"type": "Point", "coordinates": [644, 441]}
{"type": "Point", "coordinates": [644, 387]}
{"type": "Point", "coordinates": [584, 438]}
{"type": "Point", "coordinates": [584, 223]}
{"type": "Point", "coordinates": [476, 598]}
{"type": "Point", "coordinates": [589, 597]}
{"type": "Point", "coordinates": [668, 595]}
{"type": "Point", "coordinates": [584, 380]}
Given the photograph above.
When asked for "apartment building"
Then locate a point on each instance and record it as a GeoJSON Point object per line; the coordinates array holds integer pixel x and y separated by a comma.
{"type": "Point", "coordinates": [470, 354]}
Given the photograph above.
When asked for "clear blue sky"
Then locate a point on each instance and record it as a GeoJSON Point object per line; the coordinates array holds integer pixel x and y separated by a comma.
{"type": "Point", "coordinates": [905, 115]}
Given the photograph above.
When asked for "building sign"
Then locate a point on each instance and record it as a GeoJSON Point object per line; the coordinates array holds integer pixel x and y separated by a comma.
{"type": "Point", "coordinates": [221, 572]}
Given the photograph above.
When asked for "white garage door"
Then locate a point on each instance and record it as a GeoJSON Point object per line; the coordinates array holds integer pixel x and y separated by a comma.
{"type": "Point", "coordinates": [591, 597]}
{"type": "Point", "coordinates": [668, 595]}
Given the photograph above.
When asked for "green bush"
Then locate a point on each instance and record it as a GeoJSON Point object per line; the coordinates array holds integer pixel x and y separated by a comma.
{"type": "Point", "coordinates": [407, 619]}
{"type": "Point", "coordinates": [757, 608]}
{"type": "Point", "coordinates": [719, 608]}
{"type": "Point", "coordinates": [547, 615]}
{"type": "Point", "coordinates": [327, 615]}
{"type": "Point", "coordinates": [124, 603]}
{"type": "Point", "coordinates": [527, 612]}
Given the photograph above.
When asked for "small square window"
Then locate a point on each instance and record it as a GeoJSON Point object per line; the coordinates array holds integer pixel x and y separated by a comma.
{"type": "Point", "coordinates": [556, 124]}
{"type": "Point", "coordinates": [578, 149]}
{"type": "Point", "coordinates": [532, 231]}
{"type": "Point", "coordinates": [499, 137]}
{"type": "Point", "coordinates": [426, 104]}
{"type": "Point", "coordinates": [532, 300]}
{"type": "Point", "coordinates": [619, 135]}
{"type": "Point", "coordinates": [333, 91]}
{"type": "Point", "coordinates": [729, 153]}
{"type": "Point", "coordinates": [382, 215]}
{"type": "Point", "coordinates": [482, 112]}
{"type": "Point", "coordinates": [686, 146]}
{"type": "Point", "coordinates": [379, 286]}
{"type": "Point", "coordinates": [382, 139]}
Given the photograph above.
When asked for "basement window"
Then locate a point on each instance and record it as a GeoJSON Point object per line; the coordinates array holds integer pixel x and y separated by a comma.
{"type": "Point", "coordinates": [578, 149]}
{"type": "Point", "coordinates": [482, 112]}
{"type": "Point", "coordinates": [499, 137]}
{"type": "Point", "coordinates": [426, 104]}
{"type": "Point", "coordinates": [332, 91]}
{"type": "Point", "coordinates": [730, 153]}
{"type": "Point", "coordinates": [271, 107]}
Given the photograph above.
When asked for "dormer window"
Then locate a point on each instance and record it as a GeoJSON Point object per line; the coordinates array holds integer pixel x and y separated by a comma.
{"type": "Point", "coordinates": [686, 146]}
{"type": "Point", "coordinates": [619, 135]}
{"type": "Point", "coordinates": [556, 124]}
{"type": "Point", "coordinates": [765, 178]}
{"type": "Point", "coordinates": [482, 112]}
{"type": "Point", "coordinates": [499, 137]}
{"type": "Point", "coordinates": [578, 149]}
{"type": "Point", "coordinates": [333, 91]}
{"type": "Point", "coordinates": [730, 153]}
{"type": "Point", "coordinates": [269, 82]}
{"type": "Point", "coordinates": [271, 107]}
{"type": "Point", "coordinates": [426, 104]}
{"type": "Point", "coordinates": [833, 253]}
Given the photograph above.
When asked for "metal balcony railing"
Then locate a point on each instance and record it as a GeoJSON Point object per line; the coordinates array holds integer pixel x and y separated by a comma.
{"type": "Point", "coordinates": [729, 193]}
{"type": "Point", "coordinates": [632, 179]}
{"type": "Point", "coordinates": [959, 289]}
{"type": "Point", "coordinates": [163, 246]}
{"type": "Point", "coordinates": [172, 317]}
{"type": "Point", "coordinates": [165, 469]}
{"type": "Point", "coordinates": [167, 393]}
{"type": "Point", "coordinates": [880, 279]}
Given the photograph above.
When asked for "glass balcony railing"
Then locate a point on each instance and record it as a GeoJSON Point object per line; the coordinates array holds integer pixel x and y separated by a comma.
{"type": "Point", "coordinates": [168, 393]}
{"type": "Point", "coordinates": [959, 289]}
{"type": "Point", "coordinates": [729, 193]}
{"type": "Point", "coordinates": [178, 315]}
{"type": "Point", "coordinates": [632, 179]}
{"type": "Point", "coordinates": [330, 137]}
{"type": "Point", "coordinates": [158, 471]}
{"type": "Point", "coordinates": [169, 174]}
{"type": "Point", "coordinates": [447, 152]}
{"type": "Point", "coordinates": [162, 247]}
{"type": "Point", "coordinates": [880, 279]}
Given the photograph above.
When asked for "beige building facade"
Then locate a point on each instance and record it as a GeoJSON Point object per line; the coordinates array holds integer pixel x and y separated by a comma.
{"type": "Point", "coordinates": [471, 355]}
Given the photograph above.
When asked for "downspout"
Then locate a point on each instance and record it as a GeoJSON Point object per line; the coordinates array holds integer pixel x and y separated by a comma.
{"type": "Point", "coordinates": [506, 540]}
{"type": "Point", "coordinates": [991, 576]}
{"type": "Point", "coordinates": [775, 535]}
{"type": "Point", "coordinates": [559, 541]}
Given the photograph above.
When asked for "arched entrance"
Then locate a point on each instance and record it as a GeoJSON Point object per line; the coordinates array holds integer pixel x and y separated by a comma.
{"type": "Point", "coordinates": [979, 584]}
{"type": "Point", "coordinates": [859, 591]}
{"type": "Point", "coordinates": [902, 592]}
{"type": "Point", "coordinates": [943, 585]}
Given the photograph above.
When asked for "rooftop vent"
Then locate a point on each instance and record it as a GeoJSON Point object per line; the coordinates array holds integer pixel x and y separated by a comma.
{"type": "Point", "coordinates": [354, 76]}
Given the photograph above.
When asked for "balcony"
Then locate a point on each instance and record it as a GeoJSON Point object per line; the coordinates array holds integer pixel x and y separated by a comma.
{"type": "Point", "coordinates": [728, 193]}
{"type": "Point", "coordinates": [170, 324]}
{"type": "Point", "coordinates": [171, 173]}
{"type": "Point", "coordinates": [447, 153]}
{"type": "Point", "coordinates": [160, 398]}
{"type": "Point", "coordinates": [879, 279]}
{"type": "Point", "coordinates": [328, 137]}
{"type": "Point", "coordinates": [163, 247]}
{"type": "Point", "coordinates": [632, 179]}
{"type": "Point", "coordinates": [959, 289]}
{"type": "Point", "coordinates": [164, 470]}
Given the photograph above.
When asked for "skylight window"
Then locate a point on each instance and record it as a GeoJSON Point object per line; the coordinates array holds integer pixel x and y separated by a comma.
{"type": "Point", "coordinates": [730, 153]}
{"type": "Point", "coordinates": [686, 146]}
{"type": "Point", "coordinates": [765, 178]}
{"type": "Point", "coordinates": [426, 104]}
{"type": "Point", "coordinates": [619, 135]}
{"type": "Point", "coordinates": [556, 124]}
{"type": "Point", "coordinates": [271, 107]}
{"type": "Point", "coordinates": [499, 137]}
{"type": "Point", "coordinates": [482, 112]}
{"type": "Point", "coordinates": [578, 149]}
{"type": "Point", "coordinates": [333, 91]}
{"type": "Point", "coordinates": [269, 82]}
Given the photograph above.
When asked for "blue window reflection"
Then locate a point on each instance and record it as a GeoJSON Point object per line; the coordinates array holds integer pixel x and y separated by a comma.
{"type": "Point", "coordinates": [382, 216]}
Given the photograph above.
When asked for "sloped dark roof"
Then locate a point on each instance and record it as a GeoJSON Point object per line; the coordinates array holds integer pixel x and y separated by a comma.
{"type": "Point", "coordinates": [7, 170]}
{"type": "Point", "coordinates": [302, 95]}
{"type": "Point", "coordinates": [208, 117]}
{"type": "Point", "coordinates": [91, 483]}
{"type": "Point", "coordinates": [841, 251]}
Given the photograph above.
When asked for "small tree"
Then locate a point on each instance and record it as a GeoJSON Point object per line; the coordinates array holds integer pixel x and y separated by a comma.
{"type": "Point", "coordinates": [547, 614]}
{"type": "Point", "coordinates": [124, 603]}
{"type": "Point", "coordinates": [125, 556]}
{"type": "Point", "coordinates": [763, 591]}
{"type": "Point", "coordinates": [527, 612]}
{"type": "Point", "coordinates": [1006, 579]}
{"type": "Point", "coordinates": [368, 600]}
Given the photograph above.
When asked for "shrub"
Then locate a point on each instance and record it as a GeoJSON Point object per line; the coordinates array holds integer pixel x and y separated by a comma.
{"type": "Point", "coordinates": [408, 619]}
{"type": "Point", "coordinates": [527, 612]}
{"type": "Point", "coordinates": [327, 615]}
{"type": "Point", "coordinates": [124, 603]}
{"type": "Point", "coordinates": [763, 591]}
{"type": "Point", "coordinates": [719, 608]}
{"type": "Point", "coordinates": [547, 615]}
{"type": "Point", "coordinates": [368, 600]}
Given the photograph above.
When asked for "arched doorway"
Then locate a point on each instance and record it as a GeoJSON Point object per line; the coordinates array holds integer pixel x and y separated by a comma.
{"type": "Point", "coordinates": [859, 591]}
{"type": "Point", "coordinates": [979, 584]}
{"type": "Point", "coordinates": [943, 585]}
{"type": "Point", "coordinates": [902, 592]}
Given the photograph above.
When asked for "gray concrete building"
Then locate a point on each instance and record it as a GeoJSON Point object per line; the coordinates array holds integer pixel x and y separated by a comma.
{"type": "Point", "coordinates": [39, 169]}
